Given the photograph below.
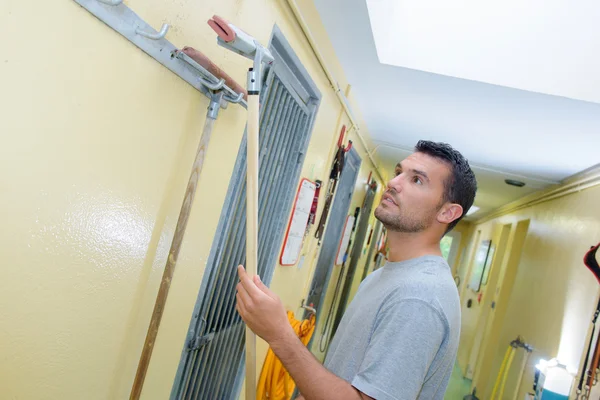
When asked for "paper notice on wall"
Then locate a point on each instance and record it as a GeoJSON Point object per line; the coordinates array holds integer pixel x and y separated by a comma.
{"type": "Point", "coordinates": [298, 222]}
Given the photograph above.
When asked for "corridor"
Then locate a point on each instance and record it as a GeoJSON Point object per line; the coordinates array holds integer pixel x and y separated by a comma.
{"type": "Point", "coordinates": [151, 147]}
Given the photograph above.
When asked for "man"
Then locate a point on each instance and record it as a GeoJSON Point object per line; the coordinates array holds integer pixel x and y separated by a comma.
{"type": "Point", "coordinates": [399, 337]}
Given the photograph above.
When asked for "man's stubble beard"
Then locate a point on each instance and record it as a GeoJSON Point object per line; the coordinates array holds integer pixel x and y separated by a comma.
{"type": "Point", "coordinates": [399, 222]}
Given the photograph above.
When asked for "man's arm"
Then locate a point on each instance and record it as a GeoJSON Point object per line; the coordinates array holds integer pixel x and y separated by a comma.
{"type": "Point", "coordinates": [265, 315]}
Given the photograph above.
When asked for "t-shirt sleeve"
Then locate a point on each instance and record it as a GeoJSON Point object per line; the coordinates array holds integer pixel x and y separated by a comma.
{"type": "Point", "coordinates": [406, 338]}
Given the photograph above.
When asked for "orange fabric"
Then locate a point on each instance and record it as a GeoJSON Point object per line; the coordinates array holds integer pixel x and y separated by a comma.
{"type": "Point", "coordinates": [275, 383]}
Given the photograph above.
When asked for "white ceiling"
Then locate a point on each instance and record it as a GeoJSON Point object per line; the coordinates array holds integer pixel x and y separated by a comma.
{"type": "Point", "coordinates": [545, 46]}
{"type": "Point", "coordinates": [505, 132]}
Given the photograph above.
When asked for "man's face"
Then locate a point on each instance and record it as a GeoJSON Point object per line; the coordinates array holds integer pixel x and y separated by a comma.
{"type": "Point", "coordinates": [414, 196]}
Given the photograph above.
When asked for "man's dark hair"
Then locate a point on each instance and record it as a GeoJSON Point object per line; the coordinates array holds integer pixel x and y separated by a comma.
{"type": "Point", "coordinates": [461, 185]}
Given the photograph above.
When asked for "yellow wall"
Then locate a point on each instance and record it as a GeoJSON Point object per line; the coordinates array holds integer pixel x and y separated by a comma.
{"type": "Point", "coordinates": [465, 228]}
{"type": "Point", "coordinates": [553, 295]}
{"type": "Point", "coordinates": [463, 269]}
{"type": "Point", "coordinates": [98, 143]}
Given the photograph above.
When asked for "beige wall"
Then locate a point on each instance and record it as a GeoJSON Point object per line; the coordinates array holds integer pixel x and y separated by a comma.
{"type": "Point", "coordinates": [465, 229]}
{"type": "Point", "coordinates": [98, 143]}
{"type": "Point", "coordinates": [553, 294]}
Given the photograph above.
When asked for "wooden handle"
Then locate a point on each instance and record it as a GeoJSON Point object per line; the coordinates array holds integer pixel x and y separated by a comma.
{"type": "Point", "coordinates": [251, 232]}
{"type": "Point", "coordinates": [165, 283]}
{"type": "Point", "coordinates": [595, 364]}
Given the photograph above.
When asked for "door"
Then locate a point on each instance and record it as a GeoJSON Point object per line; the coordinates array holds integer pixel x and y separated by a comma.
{"type": "Point", "coordinates": [498, 304]}
{"type": "Point", "coordinates": [359, 240]}
{"type": "Point", "coordinates": [488, 290]}
{"type": "Point", "coordinates": [212, 360]}
{"type": "Point", "coordinates": [372, 246]}
{"type": "Point", "coordinates": [334, 229]}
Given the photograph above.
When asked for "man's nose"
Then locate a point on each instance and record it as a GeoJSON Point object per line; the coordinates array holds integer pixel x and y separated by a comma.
{"type": "Point", "coordinates": [395, 183]}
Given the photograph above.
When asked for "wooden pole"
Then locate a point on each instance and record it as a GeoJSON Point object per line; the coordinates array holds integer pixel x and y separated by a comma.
{"type": "Point", "coordinates": [251, 230]}
{"type": "Point", "coordinates": [165, 284]}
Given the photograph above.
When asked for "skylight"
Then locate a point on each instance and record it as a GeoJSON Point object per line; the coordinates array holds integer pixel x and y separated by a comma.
{"type": "Point", "coordinates": [545, 46]}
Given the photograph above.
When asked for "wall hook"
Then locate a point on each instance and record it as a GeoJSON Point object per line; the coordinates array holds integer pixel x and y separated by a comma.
{"type": "Point", "coordinates": [234, 100]}
{"type": "Point", "coordinates": [210, 85]}
{"type": "Point", "coordinates": [111, 2]}
{"type": "Point", "coordinates": [310, 309]}
{"type": "Point", "coordinates": [154, 36]}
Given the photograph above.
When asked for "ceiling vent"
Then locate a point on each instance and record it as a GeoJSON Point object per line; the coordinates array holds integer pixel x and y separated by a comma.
{"type": "Point", "coordinates": [512, 182]}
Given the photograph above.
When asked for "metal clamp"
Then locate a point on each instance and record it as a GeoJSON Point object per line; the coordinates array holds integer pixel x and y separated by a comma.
{"type": "Point", "coordinates": [215, 104]}
{"type": "Point", "coordinates": [154, 36]}
{"type": "Point", "coordinates": [210, 85]}
{"type": "Point", "coordinates": [123, 20]}
{"type": "Point", "coordinates": [111, 2]}
{"type": "Point", "coordinates": [308, 308]}
{"type": "Point", "coordinates": [230, 95]}
{"type": "Point", "coordinates": [234, 100]}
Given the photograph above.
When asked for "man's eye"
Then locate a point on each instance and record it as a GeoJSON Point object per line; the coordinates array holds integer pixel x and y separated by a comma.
{"type": "Point", "coordinates": [417, 180]}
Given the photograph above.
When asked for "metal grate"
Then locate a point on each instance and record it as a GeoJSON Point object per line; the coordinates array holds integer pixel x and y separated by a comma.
{"type": "Point", "coordinates": [334, 230]}
{"type": "Point", "coordinates": [372, 247]}
{"type": "Point", "coordinates": [212, 359]}
{"type": "Point", "coordinates": [355, 253]}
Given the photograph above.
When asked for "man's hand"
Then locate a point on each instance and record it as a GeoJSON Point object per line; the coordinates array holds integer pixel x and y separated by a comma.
{"type": "Point", "coordinates": [264, 313]}
{"type": "Point", "coordinates": [261, 309]}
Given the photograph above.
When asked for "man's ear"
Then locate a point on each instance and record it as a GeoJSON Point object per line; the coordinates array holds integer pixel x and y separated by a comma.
{"type": "Point", "coordinates": [449, 212]}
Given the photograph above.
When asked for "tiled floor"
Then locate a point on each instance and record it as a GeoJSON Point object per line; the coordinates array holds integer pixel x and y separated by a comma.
{"type": "Point", "coordinates": [458, 386]}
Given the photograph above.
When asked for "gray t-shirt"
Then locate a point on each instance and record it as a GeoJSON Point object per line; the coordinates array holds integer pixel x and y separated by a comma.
{"type": "Point", "coordinates": [399, 337]}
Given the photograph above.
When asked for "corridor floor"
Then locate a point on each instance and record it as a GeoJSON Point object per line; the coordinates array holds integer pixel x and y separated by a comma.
{"type": "Point", "coordinates": [458, 386]}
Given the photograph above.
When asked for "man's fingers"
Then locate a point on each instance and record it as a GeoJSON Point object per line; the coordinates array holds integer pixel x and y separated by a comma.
{"type": "Point", "coordinates": [240, 306]}
{"type": "Point", "coordinates": [243, 296]}
{"type": "Point", "coordinates": [241, 271]}
{"type": "Point", "coordinates": [259, 284]}
{"type": "Point", "coordinates": [246, 281]}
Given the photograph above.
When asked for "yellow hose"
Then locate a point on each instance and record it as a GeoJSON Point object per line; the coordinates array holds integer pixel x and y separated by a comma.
{"type": "Point", "coordinates": [275, 383]}
{"type": "Point", "coordinates": [521, 371]}
{"type": "Point", "coordinates": [507, 354]}
{"type": "Point", "coordinates": [510, 360]}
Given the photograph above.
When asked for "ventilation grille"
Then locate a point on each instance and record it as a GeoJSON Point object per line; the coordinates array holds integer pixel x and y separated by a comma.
{"type": "Point", "coordinates": [212, 359]}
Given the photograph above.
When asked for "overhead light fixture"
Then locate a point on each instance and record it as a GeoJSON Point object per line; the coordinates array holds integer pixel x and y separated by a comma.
{"type": "Point", "coordinates": [472, 210]}
{"type": "Point", "coordinates": [513, 182]}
